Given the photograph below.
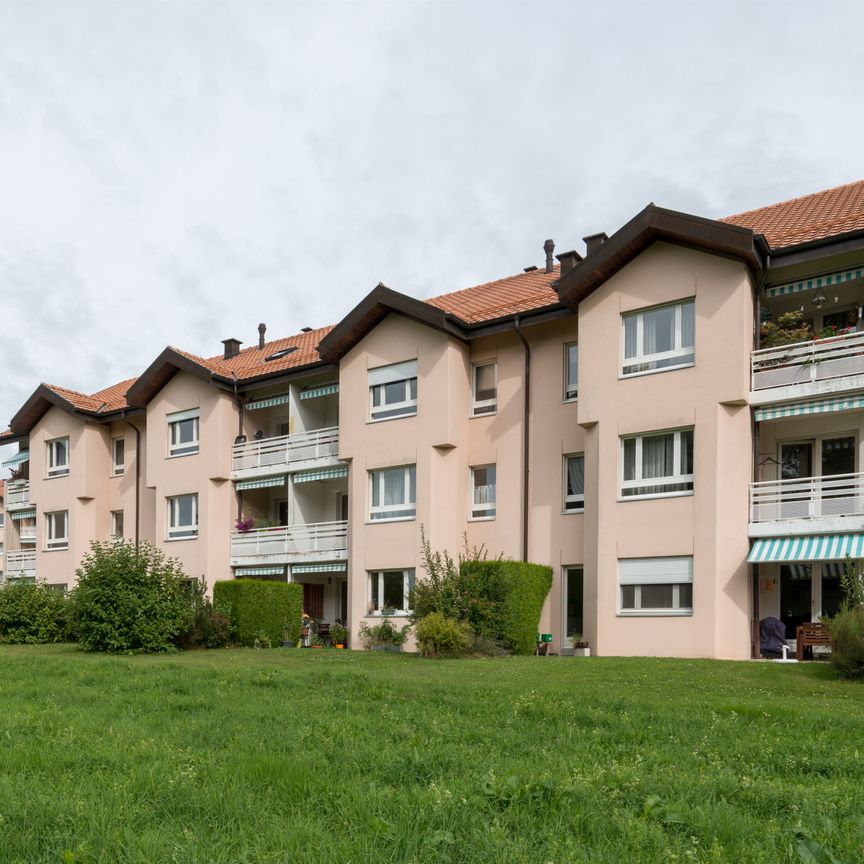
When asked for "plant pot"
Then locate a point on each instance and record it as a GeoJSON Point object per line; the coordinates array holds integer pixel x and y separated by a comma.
{"type": "Point", "coordinates": [288, 644]}
{"type": "Point", "coordinates": [317, 646]}
{"type": "Point", "coordinates": [581, 652]}
{"type": "Point", "coordinates": [340, 647]}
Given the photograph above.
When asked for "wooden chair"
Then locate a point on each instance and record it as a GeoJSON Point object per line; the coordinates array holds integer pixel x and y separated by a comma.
{"type": "Point", "coordinates": [808, 635]}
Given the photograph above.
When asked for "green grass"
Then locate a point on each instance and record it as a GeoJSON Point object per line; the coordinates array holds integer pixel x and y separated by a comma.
{"type": "Point", "coordinates": [326, 756]}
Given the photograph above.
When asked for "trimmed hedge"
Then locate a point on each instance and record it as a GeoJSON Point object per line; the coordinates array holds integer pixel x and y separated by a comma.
{"type": "Point", "coordinates": [31, 613]}
{"type": "Point", "coordinates": [260, 611]}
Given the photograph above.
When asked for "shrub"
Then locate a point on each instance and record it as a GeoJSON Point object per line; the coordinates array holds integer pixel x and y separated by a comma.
{"type": "Point", "coordinates": [846, 631]}
{"type": "Point", "coordinates": [261, 612]}
{"type": "Point", "coordinates": [130, 599]}
{"type": "Point", "coordinates": [339, 634]}
{"type": "Point", "coordinates": [438, 636]}
{"type": "Point", "coordinates": [788, 329]}
{"type": "Point", "coordinates": [31, 613]}
{"type": "Point", "coordinates": [383, 634]}
{"type": "Point", "coordinates": [210, 627]}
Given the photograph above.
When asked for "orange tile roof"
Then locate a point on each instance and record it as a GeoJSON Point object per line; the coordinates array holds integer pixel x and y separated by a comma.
{"type": "Point", "coordinates": [110, 399]}
{"type": "Point", "coordinates": [811, 217]}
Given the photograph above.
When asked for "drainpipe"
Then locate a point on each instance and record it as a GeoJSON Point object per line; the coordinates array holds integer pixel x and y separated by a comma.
{"type": "Point", "coordinates": [526, 437]}
{"type": "Point", "coordinates": [240, 409]}
{"type": "Point", "coordinates": [137, 478]}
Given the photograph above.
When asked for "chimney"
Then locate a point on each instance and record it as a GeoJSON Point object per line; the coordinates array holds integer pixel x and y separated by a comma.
{"type": "Point", "coordinates": [232, 347]}
{"type": "Point", "coordinates": [262, 329]}
{"type": "Point", "coordinates": [594, 241]}
{"type": "Point", "coordinates": [568, 260]}
{"type": "Point", "coordinates": [549, 248]}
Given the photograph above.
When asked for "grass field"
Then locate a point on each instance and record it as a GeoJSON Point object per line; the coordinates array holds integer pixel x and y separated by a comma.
{"type": "Point", "coordinates": [326, 756]}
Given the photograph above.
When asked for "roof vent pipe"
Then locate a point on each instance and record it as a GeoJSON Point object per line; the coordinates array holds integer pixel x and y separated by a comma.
{"type": "Point", "coordinates": [549, 248]}
{"type": "Point", "coordinates": [262, 329]}
{"type": "Point", "coordinates": [232, 347]}
{"type": "Point", "coordinates": [594, 241]}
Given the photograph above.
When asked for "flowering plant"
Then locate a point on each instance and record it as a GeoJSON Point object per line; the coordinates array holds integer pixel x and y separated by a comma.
{"type": "Point", "coordinates": [244, 525]}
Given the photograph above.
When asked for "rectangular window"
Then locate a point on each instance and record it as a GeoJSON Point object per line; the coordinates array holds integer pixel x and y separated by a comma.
{"type": "Point", "coordinates": [390, 592]}
{"type": "Point", "coordinates": [393, 391]}
{"type": "Point", "coordinates": [394, 493]}
{"type": "Point", "coordinates": [57, 530]}
{"type": "Point", "coordinates": [117, 523]}
{"type": "Point", "coordinates": [659, 338]}
{"type": "Point", "coordinates": [182, 516]}
{"type": "Point", "coordinates": [574, 483]}
{"type": "Point", "coordinates": [58, 457]}
{"type": "Point", "coordinates": [658, 464]}
{"type": "Point", "coordinates": [571, 372]}
{"type": "Point", "coordinates": [118, 455]}
{"type": "Point", "coordinates": [484, 389]}
{"type": "Point", "coordinates": [656, 586]}
{"type": "Point", "coordinates": [483, 492]}
{"type": "Point", "coordinates": [183, 433]}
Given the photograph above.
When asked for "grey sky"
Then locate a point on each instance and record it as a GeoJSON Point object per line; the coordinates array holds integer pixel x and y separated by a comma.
{"type": "Point", "coordinates": [175, 172]}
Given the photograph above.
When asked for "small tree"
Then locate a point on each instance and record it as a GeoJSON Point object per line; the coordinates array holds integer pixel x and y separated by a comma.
{"type": "Point", "coordinates": [852, 581]}
{"type": "Point", "coordinates": [788, 329]}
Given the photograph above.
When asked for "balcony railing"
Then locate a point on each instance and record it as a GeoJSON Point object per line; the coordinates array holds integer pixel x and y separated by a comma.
{"type": "Point", "coordinates": [292, 541]}
{"type": "Point", "coordinates": [27, 534]}
{"type": "Point", "coordinates": [20, 562]}
{"type": "Point", "coordinates": [17, 494]}
{"type": "Point", "coordinates": [808, 362]}
{"type": "Point", "coordinates": [807, 498]}
{"type": "Point", "coordinates": [283, 450]}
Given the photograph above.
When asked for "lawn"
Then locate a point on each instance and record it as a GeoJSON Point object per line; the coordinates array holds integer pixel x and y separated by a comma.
{"type": "Point", "coordinates": [338, 757]}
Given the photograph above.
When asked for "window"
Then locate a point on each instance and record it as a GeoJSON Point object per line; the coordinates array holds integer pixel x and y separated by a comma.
{"type": "Point", "coordinates": [390, 592]}
{"type": "Point", "coordinates": [484, 389]}
{"type": "Point", "coordinates": [57, 530]}
{"type": "Point", "coordinates": [656, 465]}
{"type": "Point", "coordinates": [118, 455]}
{"type": "Point", "coordinates": [571, 372]}
{"type": "Point", "coordinates": [393, 391]}
{"type": "Point", "coordinates": [58, 457]}
{"type": "Point", "coordinates": [117, 523]}
{"type": "Point", "coordinates": [656, 586]}
{"type": "Point", "coordinates": [182, 516]}
{"type": "Point", "coordinates": [574, 483]}
{"type": "Point", "coordinates": [183, 433]}
{"type": "Point", "coordinates": [483, 492]}
{"type": "Point", "coordinates": [394, 493]}
{"type": "Point", "coordinates": [659, 338]}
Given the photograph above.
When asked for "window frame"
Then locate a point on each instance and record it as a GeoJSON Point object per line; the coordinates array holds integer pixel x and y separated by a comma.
{"type": "Point", "coordinates": [182, 532]}
{"type": "Point", "coordinates": [52, 468]}
{"type": "Point", "coordinates": [648, 579]}
{"type": "Point", "coordinates": [667, 480]}
{"type": "Point", "coordinates": [408, 582]}
{"type": "Point", "coordinates": [184, 448]}
{"type": "Point", "coordinates": [114, 515]}
{"type": "Point", "coordinates": [486, 511]}
{"type": "Point", "coordinates": [382, 509]}
{"type": "Point", "coordinates": [54, 542]}
{"type": "Point", "coordinates": [118, 469]}
{"type": "Point", "coordinates": [567, 390]}
{"type": "Point", "coordinates": [406, 407]}
{"type": "Point", "coordinates": [483, 407]}
{"type": "Point", "coordinates": [565, 510]}
{"type": "Point", "coordinates": [640, 359]}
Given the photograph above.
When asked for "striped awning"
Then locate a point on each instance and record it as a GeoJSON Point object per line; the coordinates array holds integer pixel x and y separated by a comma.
{"type": "Point", "coordinates": [240, 572]}
{"type": "Point", "coordinates": [260, 483]}
{"type": "Point", "coordinates": [336, 567]}
{"type": "Point", "coordinates": [22, 514]}
{"type": "Point", "coordinates": [17, 459]}
{"type": "Point", "coordinates": [323, 390]}
{"type": "Point", "coordinates": [831, 280]}
{"type": "Point", "coordinates": [819, 406]}
{"type": "Point", "coordinates": [321, 474]}
{"type": "Point", "coordinates": [826, 547]}
{"type": "Point", "coordinates": [269, 402]}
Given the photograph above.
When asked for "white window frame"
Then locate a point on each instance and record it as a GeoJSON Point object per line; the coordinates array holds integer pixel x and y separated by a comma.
{"type": "Point", "coordinates": [577, 500]}
{"type": "Point", "coordinates": [379, 513]}
{"type": "Point", "coordinates": [114, 532]}
{"type": "Point", "coordinates": [53, 540]}
{"type": "Point", "coordinates": [637, 573]}
{"type": "Point", "coordinates": [118, 469]}
{"type": "Point", "coordinates": [638, 481]}
{"type": "Point", "coordinates": [404, 407]}
{"type": "Point", "coordinates": [640, 359]}
{"type": "Point", "coordinates": [483, 407]}
{"type": "Point", "coordinates": [55, 468]}
{"type": "Point", "coordinates": [178, 531]}
{"type": "Point", "coordinates": [183, 448]}
{"type": "Point", "coordinates": [482, 512]}
{"type": "Point", "coordinates": [376, 578]}
{"type": "Point", "coordinates": [571, 389]}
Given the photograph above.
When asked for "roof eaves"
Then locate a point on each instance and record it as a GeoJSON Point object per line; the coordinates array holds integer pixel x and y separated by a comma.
{"type": "Point", "coordinates": [162, 370]}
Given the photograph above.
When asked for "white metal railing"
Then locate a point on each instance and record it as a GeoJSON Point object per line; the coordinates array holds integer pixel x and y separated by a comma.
{"type": "Point", "coordinates": [807, 498]}
{"type": "Point", "coordinates": [20, 560]}
{"type": "Point", "coordinates": [27, 533]}
{"type": "Point", "coordinates": [17, 494]}
{"type": "Point", "coordinates": [807, 362]}
{"type": "Point", "coordinates": [290, 540]}
{"type": "Point", "coordinates": [284, 449]}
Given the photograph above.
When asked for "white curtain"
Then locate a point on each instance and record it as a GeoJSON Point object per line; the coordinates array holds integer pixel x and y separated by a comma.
{"type": "Point", "coordinates": [657, 456]}
{"type": "Point", "coordinates": [576, 475]}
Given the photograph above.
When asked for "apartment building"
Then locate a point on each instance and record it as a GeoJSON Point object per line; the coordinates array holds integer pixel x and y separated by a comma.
{"type": "Point", "coordinates": [2, 530]}
{"type": "Point", "coordinates": [613, 415]}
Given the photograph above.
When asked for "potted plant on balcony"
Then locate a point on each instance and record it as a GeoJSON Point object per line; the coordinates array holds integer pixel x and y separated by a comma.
{"type": "Point", "coordinates": [788, 329]}
{"type": "Point", "coordinates": [339, 635]}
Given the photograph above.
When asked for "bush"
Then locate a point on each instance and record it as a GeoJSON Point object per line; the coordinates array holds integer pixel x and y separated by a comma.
{"type": "Point", "coordinates": [210, 627]}
{"type": "Point", "coordinates": [383, 634]}
{"type": "Point", "coordinates": [130, 599]}
{"type": "Point", "coordinates": [261, 613]}
{"type": "Point", "coordinates": [846, 631]}
{"type": "Point", "coordinates": [438, 636]}
{"type": "Point", "coordinates": [31, 613]}
{"type": "Point", "coordinates": [339, 634]}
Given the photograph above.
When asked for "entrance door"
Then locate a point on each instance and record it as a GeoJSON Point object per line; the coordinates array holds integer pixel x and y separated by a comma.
{"type": "Point", "coordinates": [313, 600]}
{"type": "Point", "coordinates": [796, 463]}
{"type": "Point", "coordinates": [796, 596]}
{"type": "Point", "coordinates": [573, 605]}
{"type": "Point", "coordinates": [838, 457]}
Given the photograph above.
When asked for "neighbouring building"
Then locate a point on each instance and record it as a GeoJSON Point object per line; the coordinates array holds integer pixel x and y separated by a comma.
{"type": "Point", "coordinates": [614, 415]}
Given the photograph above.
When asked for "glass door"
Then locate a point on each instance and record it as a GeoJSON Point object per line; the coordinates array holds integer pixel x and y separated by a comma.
{"type": "Point", "coordinates": [573, 605]}
{"type": "Point", "coordinates": [837, 497]}
{"type": "Point", "coordinates": [796, 596]}
{"type": "Point", "coordinates": [796, 463]}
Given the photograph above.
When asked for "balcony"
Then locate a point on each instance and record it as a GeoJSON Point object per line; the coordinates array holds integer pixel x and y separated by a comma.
{"type": "Point", "coordinates": [817, 368]}
{"type": "Point", "coordinates": [20, 564]}
{"type": "Point", "coordinates": [808, 505]}
{"type": "Point", "coordinates": [27, 534]}
{"type": "Point", "coordinates": [286, 453]}
{"type": "Point", "coordinates": [292, 544]}
{"type": "Point", "coordinates": [17, 495]}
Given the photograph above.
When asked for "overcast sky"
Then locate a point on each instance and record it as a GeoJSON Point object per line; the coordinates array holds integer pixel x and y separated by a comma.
{"type": "Point", "coordinates": [175, 172]}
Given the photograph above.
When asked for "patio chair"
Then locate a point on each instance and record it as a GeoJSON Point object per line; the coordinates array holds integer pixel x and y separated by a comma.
{"type": "Point", "coordinates": [324, 632]}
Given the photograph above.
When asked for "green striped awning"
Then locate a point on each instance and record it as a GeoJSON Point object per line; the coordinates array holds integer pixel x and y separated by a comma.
{"type": "Point", "coordinates": [260, 483]}
{"type": "Point", "coordinates": [269, 402]}
{"type": "Point", "coordinates": [336, 567]}
{"type": "Point", "coordinates": [321, 474]}
{"type": "Point", "coordinates": [17, 459]}
{"type": "Point", "coordinates": [819, 406]}
{"type": "Point", "coordinates": [22, 514]}
{"type": "Point", "coordinates": [323, 390]}
{"type": "Point", "coordinates": [812, 283]}
{"type": "Point", "coordinates": [827, 547]}
{"type": "Point", "coordinates": [240, 572]}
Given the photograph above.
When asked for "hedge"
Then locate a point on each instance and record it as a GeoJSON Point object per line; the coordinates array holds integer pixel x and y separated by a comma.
{"type": "Point", "coordinates": [31, 613]}
{"type": "Point", "coordinates": [261, 612]}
